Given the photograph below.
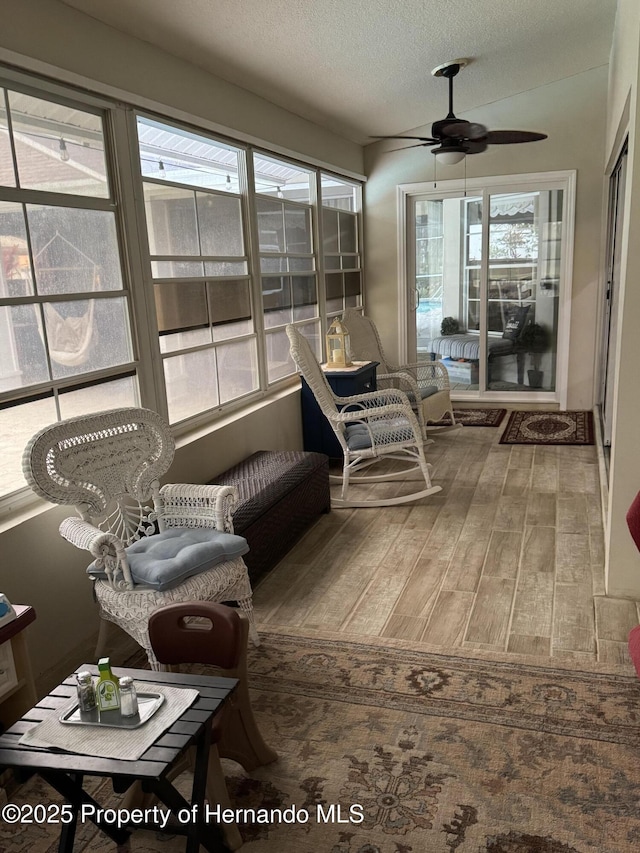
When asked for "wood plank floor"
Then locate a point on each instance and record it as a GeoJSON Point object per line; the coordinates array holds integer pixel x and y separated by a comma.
{"type": "Point", "coordinates": [508, 557]}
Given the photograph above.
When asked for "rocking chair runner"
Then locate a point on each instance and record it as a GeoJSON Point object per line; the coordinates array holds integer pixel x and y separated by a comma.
{"type": "Point", "coordinates": [426, 384]}
{"type": "Point", "coordinates": [370, 428]}
{"type": "Point", "coordinates": [151, 546]}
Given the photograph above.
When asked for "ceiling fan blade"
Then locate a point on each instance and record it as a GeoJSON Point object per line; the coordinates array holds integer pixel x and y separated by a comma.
{"type": "Point", "coordinates": [422, 138]}
{"type": "Point", "coordinates": [475, 146]}
{"type": "Point", "coordinates": [510, 137]}
{"type": "Point", "coordinates": [461, 129]}
{"type": "Point", "coordinates": [418, 145]}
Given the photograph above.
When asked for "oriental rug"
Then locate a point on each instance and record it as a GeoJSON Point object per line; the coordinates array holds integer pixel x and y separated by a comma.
{"type": "Point", "coordinates": [549, 428]}
{"type": "Point", "coordinates": [473, 417]}
{"type": "Point", "coordinates": [392, 749]}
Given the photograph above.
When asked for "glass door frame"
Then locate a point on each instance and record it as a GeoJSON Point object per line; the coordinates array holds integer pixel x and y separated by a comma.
{"type": "Point", "coordinates": [408, 194]}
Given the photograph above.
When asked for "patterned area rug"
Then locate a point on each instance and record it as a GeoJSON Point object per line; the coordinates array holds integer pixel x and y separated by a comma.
{"type": "Point", "coordinates": [549, 428]}
{"type": "Point", "coordinates": [474, 417]}
{"type": "Point", "coordinates": [397, 750]}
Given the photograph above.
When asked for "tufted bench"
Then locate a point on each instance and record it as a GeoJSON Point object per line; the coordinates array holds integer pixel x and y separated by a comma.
{"type": "Point", "coordinates": [281, 492]}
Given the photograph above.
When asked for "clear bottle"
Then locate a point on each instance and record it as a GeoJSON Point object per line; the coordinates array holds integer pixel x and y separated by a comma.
{"type": "Point", "coordinates": [128, 697]}
{"type": "Point", "coordinates": [107, 690]}
{"type": "Point", "coordinates": [86, 692]}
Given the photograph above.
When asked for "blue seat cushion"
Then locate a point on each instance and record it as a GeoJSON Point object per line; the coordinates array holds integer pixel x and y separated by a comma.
{"type": "Point", "coordinates": [166, 559]}
{"type": "Point", "coordinates": [358, 436]}
{"type": "Point", "coordinates": [425, 391]}
{"type": "Point", "coordinates": [428, 391]}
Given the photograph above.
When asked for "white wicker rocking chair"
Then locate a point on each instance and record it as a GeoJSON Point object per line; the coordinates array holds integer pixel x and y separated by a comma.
{"type": "Point", "coordinates": [371, 428]}
{"type": "Point", "coordinates": [426, 384]}
{"type": "Point", "coordinates": [152, 546]}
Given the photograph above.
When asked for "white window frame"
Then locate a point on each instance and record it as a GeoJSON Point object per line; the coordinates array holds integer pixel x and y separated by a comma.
{"type": "Point", "coordinates": [120, 108]}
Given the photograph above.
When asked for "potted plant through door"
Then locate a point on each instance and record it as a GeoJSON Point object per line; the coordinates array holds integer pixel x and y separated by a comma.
{"type": "Point", "coordinates": [534, 340]}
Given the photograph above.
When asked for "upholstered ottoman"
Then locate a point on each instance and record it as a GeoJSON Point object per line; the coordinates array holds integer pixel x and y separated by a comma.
{"type": "Point", "coordinates": [281, 492]}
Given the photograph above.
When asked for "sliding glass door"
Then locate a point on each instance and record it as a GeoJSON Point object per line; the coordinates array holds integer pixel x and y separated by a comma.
{"type": "Point", "coordinates": [484, 286]}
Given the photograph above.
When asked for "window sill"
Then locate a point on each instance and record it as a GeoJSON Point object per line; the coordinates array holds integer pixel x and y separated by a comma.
{"type": "Point", "coordinates": [24, 505]}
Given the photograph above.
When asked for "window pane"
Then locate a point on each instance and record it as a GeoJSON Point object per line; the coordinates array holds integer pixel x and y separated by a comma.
{"type": "Point", "coordinates": [181, 306]}
{"type": "Point", "coordinates": [237, 369]}
{"type": "Point", "coordinates": [171, 220]}
{"type": "Point", "coordinates": [304, 297]}
{"type": "Point", "coordinates": [334, 285]}
{"type": "Point", "coordinates": [58, 148]}
{"type": "Point", "coordinates": [177, 269]}
{"type": "Point", "coordinates": [332, 262]}
{"type": "Point", "coordinates": [300, 264]}
{"type": "Point", "coordinates": [16, 278]}
{"type": "Point", "coordinates": [273, 265]}
{"type": "Point", "coordinates": [225, 268]}
{"type": "Point", "coordinates": [352, 283]}
{"type": "Point", "coordinates": [220, 224]}
{"type": "Point", "coordinates": [174, 154]}
{"type": "Point", "coordinates": [337, 193]}
{"type": "Point", "coordinates": [270, 225]}
{"type": "Point", "coordinates": [94, 398]}
{"type": "Point", "coordinates": [86, 335]}
{"type": "Point", "coordinates": [185, 340]}
{"type": "Point", "coordinates": [330, 230]}
{"type": "Point", "coordinates": [311, 331]}
{"type": "Point", "coordinates": [17, 425]}
{"type": "Point", "coordinates": [354, 301]}
{"type": "Point", "coordinates": [229, 302]}
{"type": "Point", "coordinates": [282, 179]}
{"type": "Point", "coordinates": [74, 250]}
{"type": "Point", "coordinates": [348, 239]}
{"type": "Point", "coordinates": [350, 262]}
{"type": "Point", "coordinates": [279, 361]}
{"type": "Point", "coordinates": [276, 301]}
{"type": "Point", "coordinates": [7, 173]}
{"type": "Point", "coordinates": [298, 229]}
{"type": "Point", "coordinates": [191, 382]}
{"type": "Point", "coordinates": [23, 360]}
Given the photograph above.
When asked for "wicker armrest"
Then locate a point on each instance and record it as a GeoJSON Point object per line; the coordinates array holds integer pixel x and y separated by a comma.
{"type": "Point", "coordinates": [427, 373]}
{"type": "Point", "coordinates": [188, 505]}
{"type": "Point", "coordinates": [373, 399]}
{"type": "Point", "coordinates": [402, 380]}
{"type": "Point", "coordinates": [107, 549]}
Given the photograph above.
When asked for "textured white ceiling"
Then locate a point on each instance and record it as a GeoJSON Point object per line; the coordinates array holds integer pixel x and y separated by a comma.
{"type": "Point", "coordinates": [363, 67]}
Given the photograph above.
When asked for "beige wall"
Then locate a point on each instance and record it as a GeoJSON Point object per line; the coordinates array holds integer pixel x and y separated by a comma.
{"type": "Point", "coordinates": [51, 32]}
{"type": "Point", "coordinates": [623, 560]}
{"type": "Point", "coordinates": [572, 113]}
{"type": "Point", "coordinates": [38, 567]}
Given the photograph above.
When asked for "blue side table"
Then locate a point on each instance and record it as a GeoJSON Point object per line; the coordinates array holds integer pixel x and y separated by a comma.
{"type": "Point", "coordinates": [317, 433]}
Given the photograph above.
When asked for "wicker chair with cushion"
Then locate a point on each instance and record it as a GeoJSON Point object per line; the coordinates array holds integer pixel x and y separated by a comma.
{"type": "Point", "coordinates": [151, 546]}
{"type": "Point", "coordinates": [426, 384]}
{"type": "Point", "coordinates": [370, 428]}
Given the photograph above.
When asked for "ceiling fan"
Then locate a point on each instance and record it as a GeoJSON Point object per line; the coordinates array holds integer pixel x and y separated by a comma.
{"type": "Point", "coordinates": [456, 137]}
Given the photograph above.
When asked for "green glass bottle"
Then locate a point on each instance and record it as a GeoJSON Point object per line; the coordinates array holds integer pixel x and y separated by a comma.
{"type": "Point", "coordinates": [107, 692]}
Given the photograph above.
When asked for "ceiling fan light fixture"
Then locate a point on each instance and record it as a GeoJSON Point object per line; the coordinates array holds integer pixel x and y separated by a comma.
{"type": "Point", "coordinates": [449, 158]}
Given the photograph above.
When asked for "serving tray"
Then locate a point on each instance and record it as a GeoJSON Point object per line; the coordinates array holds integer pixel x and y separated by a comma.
{"type": "Point", "coordinates": [148, 704]}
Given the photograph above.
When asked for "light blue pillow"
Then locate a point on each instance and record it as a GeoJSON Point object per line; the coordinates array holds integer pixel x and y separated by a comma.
{"type": "Point", "coordinates": [358, 437]}
{"type": "Point", "coordinates": [166, 559]}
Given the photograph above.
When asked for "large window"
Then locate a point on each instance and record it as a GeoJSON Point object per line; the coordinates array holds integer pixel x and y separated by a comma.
{"type": "Point", "coordinates": [287, 256]}
{"type": "Point", "coordinates": [162, 275]}
{"type": "Point", "coordinates": [341, 245]}
{"type": "Point", "coordinates": [199, 268]}
{"type": "Point", "coordinates": [66, 343]}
